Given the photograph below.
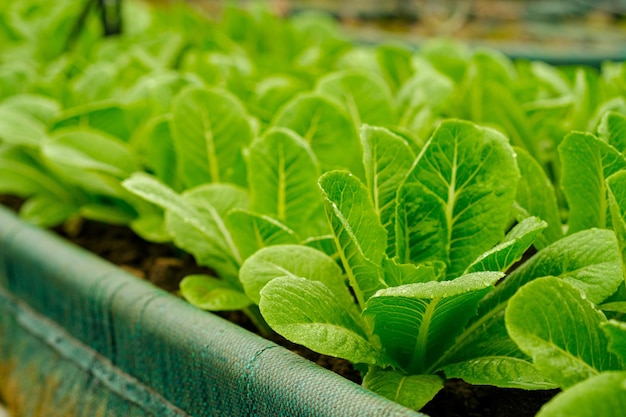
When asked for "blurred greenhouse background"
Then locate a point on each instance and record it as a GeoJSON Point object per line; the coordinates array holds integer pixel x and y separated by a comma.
{"type": "Point", "coordinates": [557, 31]}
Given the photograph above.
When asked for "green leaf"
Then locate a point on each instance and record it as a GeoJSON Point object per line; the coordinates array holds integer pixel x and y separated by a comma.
{"type": "Point", "coordinates": [485, 337]}
{"type": "Point", "coordinates": [422, 99]}
{"type": "Point", "coordinates": [196, 220]}
{"type": "Point", "coordinates": [209, 293]}
{"type": "Point", "coordinates": [616, 333]}
{"type": "Point", "coordinates": [421, 229]}
{"type": "Point", "coordinates": [308, 313]}
{"type": "Point", "coordinates": [394, 60]}
{"type": "Point", "coordinates": [210, 128]}
{"type": "Point", "coordinates": [359, 236]}
{"type": "Point", "coordinates": [362, 94]}
{"type": "Point", "coordinates": [416, 323]}
{"type": "Point", "coordinates": [88, 150]}
{"type": "Point", "coordinates": [614, 306]}
{"type": "Point", "coordinates": [412, 391]}
{"type": "Point", "coordinates": [387, 159]}
{"type": "Point", "coordinates": [282, 178]}
{"type": "Point", "coordinates": [109, 118]}
{"type": "Point", "coordinates": [46, 211]}
{"type": "Point", "coordinates": [253, 231]}
{"type": "Point", "coordinates": [293, 261]}
{"type": "Point", "coordinates": [552, 322]}
{"type": "Point", "coordinates": [472, 175]}
{"type": "Point", "coordinates": [18, 128]}
{"type": "Point", "coordinates": [586, 163]}
{"type": "Point", "coordinates": [400, 274]}
{"type": "Point", "coordinates": [107, 213]}
{"type": "Point", "coordinates": [612, 130]}
{"type": "Point", "coordinates": [42, 108]}
{"type": "Point", "coordinates": [328, 130]}
{"type": "Point", "coordinates": [22, 174]}
{"type": "Point", "coordinates": [90, 159]}
{"type": "Point", "coordinates": [156, 146]}
{"type": "Point", "coordinates": [602, 395]}
{"type": "Point", "coordinates": [511, 249]}
{"type": "Point", "coordinates": [499, 371]}
{"type": "Point", "coordinates": [324, 243]}
{"type": "Point", "coordinates": [616, 185]}
{"type": "Point", "coordinates": [588, 260]}
{"type": "Point", "coordinates": [536, 197]}
{"type": "Point", "coordinates": [273, 92]}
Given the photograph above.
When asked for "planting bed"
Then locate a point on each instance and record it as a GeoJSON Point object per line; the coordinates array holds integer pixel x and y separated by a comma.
{"type": "Point", "coordinates": [165, 267]}
{"type": "Point", "coordinates": [445, 226]}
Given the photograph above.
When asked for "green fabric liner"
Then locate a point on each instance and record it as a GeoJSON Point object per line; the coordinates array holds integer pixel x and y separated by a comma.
{"type": "Point", "coordinates": [151, 349]}
{"type": "Point", "coordinates": [39, 353]}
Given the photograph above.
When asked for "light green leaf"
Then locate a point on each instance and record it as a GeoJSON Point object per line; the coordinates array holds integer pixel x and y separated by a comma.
{"type": "Point", "coordinates": [536, 197]}
{"type": "Point", "coordinates": [359, 236]}
{"type": "Point", "coordinates": [472, 172]}
{"type": "Point", "coordinates": [362, 94]}
{"type": "Point", "coordinates": [18, 128]}
{"type": "Point", "coordinates": [308, 313]}
{"type": "Point", "coordinates": [24, 175]}
{"type": "Point", "coordinates": [400, 274]}
{"type": "Point", "coordinates": [412, 391]}
{"type": "Point", "coordinates": [253, 231]}
{"type": "Point", "coordinates": [209, 293]}
{"type": "Point", "coordinates": [614, 306]}
{"type": "Point", "coordinates": [588, 260]}
{"type": "Point", "coordinates": [273, 92]}
{"type": "Point", "coordinates": [47, 211]}
{"type": "Point", "coordinates": [387, 159]}
{"type": "Point", "coordinates": [511, 249]}
{"type": "Point", "coordinates": [552, 322]}
{"type": "Point", "coordinates": [616, 185]}
{"type": "Point", "coordinates": [612, 130]}
{"type": "Point", "coordinates": [210, 128]}
{"type": "Point", "coordinates": [150, 224]}
{"type": "Point", "coordinates": [107, 213]}
{"type": "Point", "coordinates": [328, 130]}
{"type": "Point", "coordinates": [602, 395]}
{"type": "Point", "coordinates": [292, 261]}
{"type": "Point", "coordinates": [88, 150]}
{"type": "Point", "coordinates": [616, 333]}
{"type": "Point", "coordinates": [500, 371]}
{"type": "Point", "coordinates": [90, 159]}
{"type": "Point", "coordinates": [42, 108]}
{"type": "Point", "coordinates": [586, 163]}
{"type": "Point", "coordinates": [422, 99]}
{"type": "Point", "coordinates": [195, 224]}
{"type": "Point", "coordinates": [416, 323]}
{"type": "Point", "coordinates": [282, 177]}
{"type": "Point", "coordinates": [394, 60]}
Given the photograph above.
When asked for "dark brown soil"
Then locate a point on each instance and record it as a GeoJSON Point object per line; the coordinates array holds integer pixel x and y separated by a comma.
{"type": "Point", "coordinates": [165, 267]}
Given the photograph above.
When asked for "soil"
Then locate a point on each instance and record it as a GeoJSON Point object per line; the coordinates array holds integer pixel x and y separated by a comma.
{"type": "Point", "coordinates": [165, 266]}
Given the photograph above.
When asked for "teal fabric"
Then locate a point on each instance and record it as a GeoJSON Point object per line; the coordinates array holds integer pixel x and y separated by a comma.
{"type": "Point", "coordinates": [132, 349]}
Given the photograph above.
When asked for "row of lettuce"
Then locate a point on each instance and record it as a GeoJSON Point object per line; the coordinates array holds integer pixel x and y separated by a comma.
{"type": "Point", "coordinates": [360, 200]}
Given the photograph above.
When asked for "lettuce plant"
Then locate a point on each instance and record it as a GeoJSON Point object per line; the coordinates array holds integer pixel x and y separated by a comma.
{"type": "Point", "coordinates": [420, 246]}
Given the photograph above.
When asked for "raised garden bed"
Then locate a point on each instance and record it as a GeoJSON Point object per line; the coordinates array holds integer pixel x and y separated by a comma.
{"type": "Point", "coordinates": [446, 220]}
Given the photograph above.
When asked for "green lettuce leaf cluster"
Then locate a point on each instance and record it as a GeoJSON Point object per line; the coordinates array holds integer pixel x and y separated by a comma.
{"type": "Point", "coordinates": [426, 214]}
